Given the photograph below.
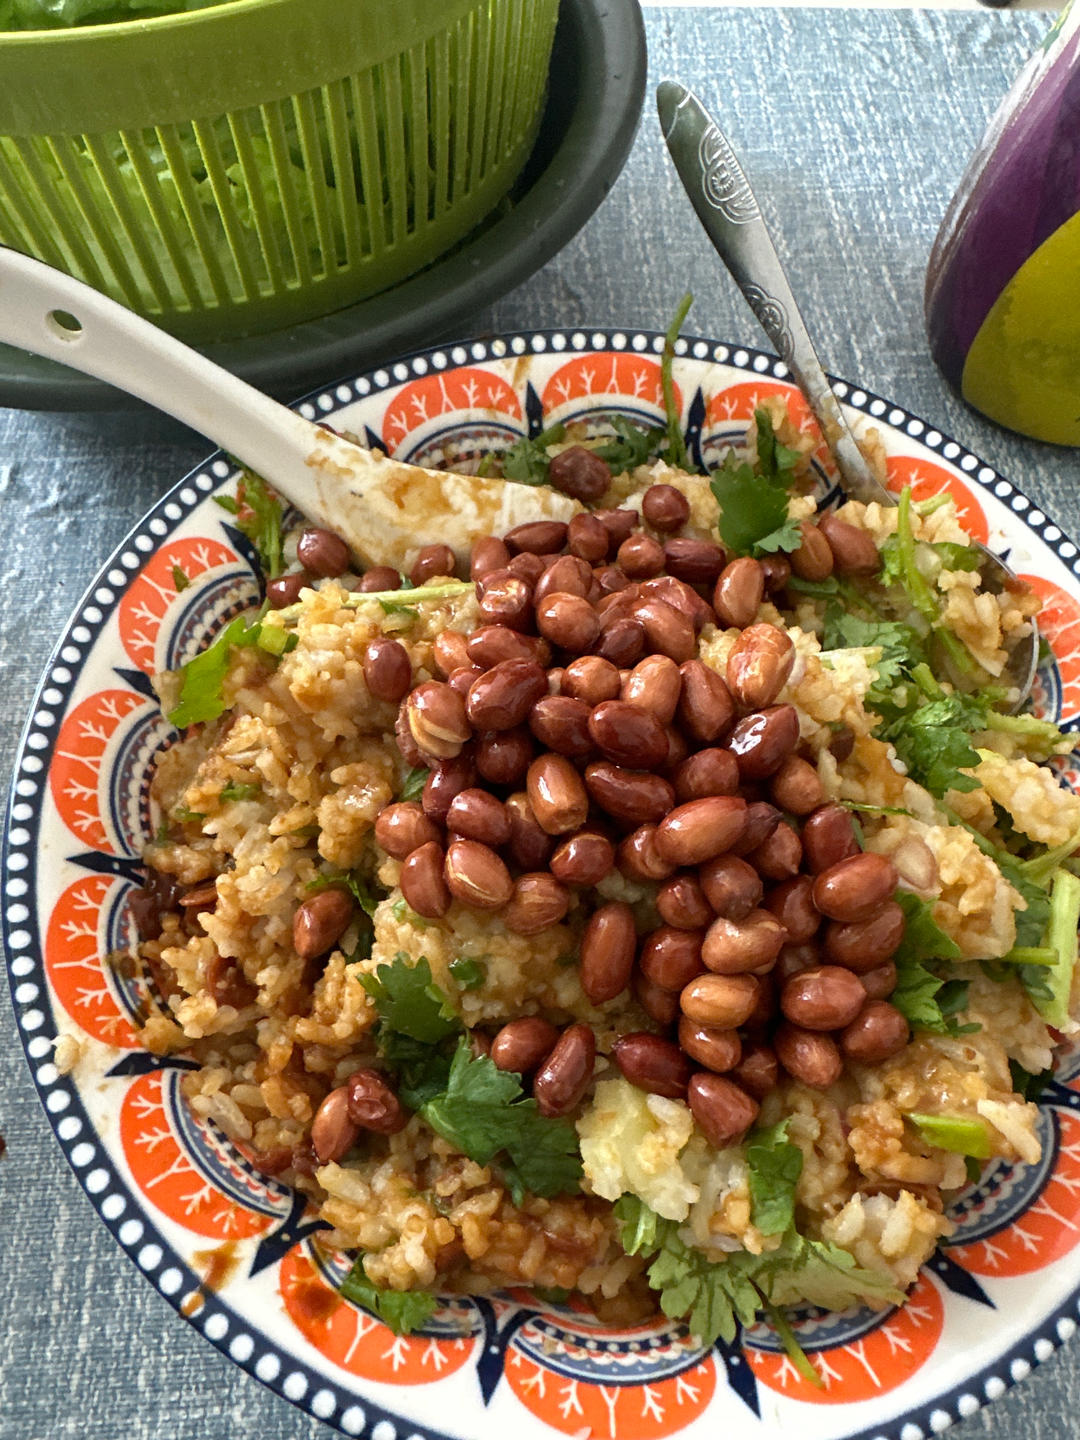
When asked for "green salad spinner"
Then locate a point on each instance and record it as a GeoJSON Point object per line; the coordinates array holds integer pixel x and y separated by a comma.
{"type": "Point", "coordinates": [232, 170]}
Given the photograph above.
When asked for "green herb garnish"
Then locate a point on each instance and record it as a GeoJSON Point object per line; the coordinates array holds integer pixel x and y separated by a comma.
{"type": "Point", "coordinates": [202, 678]}
{"type": "Point", "coordinates": [954, 1132]}
{"type": "Point", "coordinates": [232, 790]}
{"type": "Point", "coordinates": [412, 787]}
{"type": "Point", "coordinates": [527, 461]}
{"type": "Point", "coordinates": [263, 525]}
{"type": "Point", "coordinates": [180, 579]}
{"type": "Point", "coordinates": [675, 454]}
{"type": "Point", "coordinates": [754, 504]}
{"type": "Point", "coordinates": [774, 1164]}
{"type": "Point", "coordinates": [402, 1310]}
{"type": "Point", "coordinates": [468, 974]}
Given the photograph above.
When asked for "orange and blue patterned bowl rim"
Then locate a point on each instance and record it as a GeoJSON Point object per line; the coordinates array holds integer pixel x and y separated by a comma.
{"type": "Point", "coordinates": [234, 1251]}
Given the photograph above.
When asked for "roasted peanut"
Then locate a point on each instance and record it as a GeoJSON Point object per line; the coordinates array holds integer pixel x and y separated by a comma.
{"type": "Point", "coordinates": [779, 855]}
{"type": "Point", "coordinates": [450, 652]}
{"type": "Point", "coordinates": [796, 787]}
{"type": "Point", "coordinates": [379, 577]}
{"type": "Point", "coordinates": [462, 678]}
{"type": "Point", "coordinates": [638, 858]}
{"type": "Point", "coordinates": [808, 1056]}
{"type": "Point", "coordinates": [880, 982]}
{"type": "Point", "coordinates": [321, 552]}
{"type": "Point", "coordinates": [655, 685]}
{"type": "Point", "coordinates": [373, 1105]}
{"type": "Point", "coordinates": [591, 679]}
{"type": "Point", "coordinates": [738, 947]}
{"type": "Point", "coordinates": [524, 1044]}
{"type": "Point", "coordinates": [446, 780]}
{"type": "Point", "coordinates": [320, 922]}
{"type": "Point", "coordinates": [504, 598]}
{"type": "Point", "coordinates": [660, 1005]}
{"type": "Point", "coordinates": [564, 1077]}
{"type": "Point", "coordinates": [723, 1001]}
{"type": "Point", "coordinates": [652, 1064]}
{"type": "Point", "coordinates": [681, 597]}
{"type": "Point", "coordinates": [437, 719]}
{"type": "Point", "coordinates": [387, 669]}
{"type": "Point", "coordinates": [853, 550]}
{"type": "Point", "coordinates": [793, 960]}
{"type": "Point", "coordinates": [865, 944]}
{"type": "Point", "coordinates": [537, 537]}
{"type": "Point", "coordinates": [776, 571]}
{"type": "Point", "coordinates": [583, 858]}
{"type": "Point", "coordinates": [813, 560]}
{"type": "Point", "coordinates": [732, 887]}
{"type": "Point", "coordinates": [667, 630]}
{"type": "Point", "coordinates": [556, 794]}
{"type": "Point", "coordinates": [628, 735]}
{"type": "Point", "coordinates": [622, 642]}
{"type": "Point", "coordinates": [530, 844]}
{"type": "Point", "coordinates": [492, 644]}
{"type": "Point", "coordinates": [402, 828]}
{"type": "Point", "coordinates": [706, 709]}
{"type": "Point", "coordinates": [792, 902]}
{"type": "Point", "coordinates": [630, 795]}
{"type": "Point", "coordinates": [479, 815]}
{"type": "Point", "coordinates": [671, 958]}
{"type": "Point", "coordinates": [759, 665]}
{"type": "Point", "coordinates": [739, 592]}
{"type": "Point", "coordinates": [587, 538]}
{"type": "Point", "coordinates": [488, 554]}
{"type": "Point", "coordinates": [665, 508]}
{"type": "Point", "coordinates": [723, 1110]}
{"type": "Point", "coordinates": [503, 697]}
{"type": "Point", "coordinates": [432, 561]}
{"type": "Point", "coordinates": [761, 741]}
{"type": "Point", "coordinates": [333, 1131]}
{"type": "Point", "coordinates": [607, 951]}
{"type": "Point", "coordinates": [476, 875]}
{"type": "Point", "coordinates": [579, 473]}
{"type": "Point", "coordinates": [566, 575]}
{"type": "Point", "coordinates": [828, 837]}
{"type": "Point", "coordinates": [706, 772]}
{"type": "Point", "coordinates": [561, 723]}
{"type": "Point", "coordinates": [422, 883]}
{"type": "Point", "coordinates": [761, 820]}
{"type": "Point", "coordinates": [681, 902]}
{"type": "Point", "coordinates": [285, 590]}
{"type": "Point", "coordinates": [757, 1072]}
{"type": "Point", "coordinates": [618, 523]}
{"type": "Point", "coordinates": [502, 757]}
{"type": "Point", "coordinates": [827, 997]}
{"type": "Point", "coordinates": [717, 1050]}
{"type": "Point", "coordinates": [698, 562]}
{"type": "Point", "coordinates": [701, 829]}
{"type": "Point", "coordinates": [538, 902]}
{"type": "Point", "coordinates": [641, 556]}
{"type": "Point", "coordinates": [568, 621]}
{"type": "Point", "coordinates": [878, 1032]}
{"type": "Point", "coordinates": [855, 888]}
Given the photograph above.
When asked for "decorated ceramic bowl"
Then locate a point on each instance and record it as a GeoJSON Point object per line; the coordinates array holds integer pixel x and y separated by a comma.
{"type": "Point", "coordinates": [232, 1249]}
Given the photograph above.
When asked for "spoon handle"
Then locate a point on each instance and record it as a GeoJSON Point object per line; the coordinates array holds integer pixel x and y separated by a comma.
{"type": "Point", "coordinates": [37, 304]}
{"type": "Point", "coordinates": [726, 206]}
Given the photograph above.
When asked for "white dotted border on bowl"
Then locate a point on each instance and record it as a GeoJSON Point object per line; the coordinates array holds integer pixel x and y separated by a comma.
{"type": "Point", "coordinates": [107, 1192]}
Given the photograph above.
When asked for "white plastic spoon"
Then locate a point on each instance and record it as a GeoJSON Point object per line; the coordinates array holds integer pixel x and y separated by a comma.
{"type": "Point", "coordinates": [384, 509]}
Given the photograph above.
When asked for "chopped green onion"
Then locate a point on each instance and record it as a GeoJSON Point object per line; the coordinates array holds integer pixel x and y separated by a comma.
{"type": "Point", "coordinates": [955, 1133]}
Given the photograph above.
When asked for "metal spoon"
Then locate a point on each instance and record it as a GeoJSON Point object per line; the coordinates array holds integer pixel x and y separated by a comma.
{"type": "Point", "coordinates": [385, 510]}
{"type": "Point", "coordinates": [720, 193]}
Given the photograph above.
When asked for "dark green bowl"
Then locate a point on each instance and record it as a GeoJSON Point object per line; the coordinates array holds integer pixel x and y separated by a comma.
{"type": "Point", "coordinates": [594, 104]}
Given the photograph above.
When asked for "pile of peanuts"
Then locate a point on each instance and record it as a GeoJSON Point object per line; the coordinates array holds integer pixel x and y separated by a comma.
{"type": "Point", "coordinates": [575, 733]}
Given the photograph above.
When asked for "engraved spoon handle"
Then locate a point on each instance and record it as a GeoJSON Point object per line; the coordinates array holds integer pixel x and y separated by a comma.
{"type": "Point", "coordinates": [727, 208]}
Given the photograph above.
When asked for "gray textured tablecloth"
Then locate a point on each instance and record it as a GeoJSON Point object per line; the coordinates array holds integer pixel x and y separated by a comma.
{"type": "Point", "coordinates": [854, 126]}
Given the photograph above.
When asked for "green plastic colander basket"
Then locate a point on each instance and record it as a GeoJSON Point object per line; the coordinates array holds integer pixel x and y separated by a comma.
{"type": "Point", "coordinates": [234, 170]}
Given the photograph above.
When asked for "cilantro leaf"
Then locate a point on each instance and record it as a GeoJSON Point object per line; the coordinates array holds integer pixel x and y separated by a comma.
{"type": "Point", "coordinates": [775, 462]}
{"type": "Point", "coordinates": [180, 579]}
{"type": "Point", "coordinates": [470, 974]}
{"type": "Point", "coordinates": [409, 1002]}
{"type": "Point", "coordinates": [412, 787]}
{"type": "Point", "coordinates": [1027, 1085]}
{"type": "Point", "coordinates": [527, 461]}
{"type": "Point", "coordinates": [402, 1310]}
{"type": "Point", "coordinates": [631, 447]}
{"type": "Point", "coordinates": [202, 678]}
{"type": "Point", "coordinates": [934, 742]}
{"type": "Point", "coordinates": [775, 1164]}
{"type": "Point", "coordinates": [900, 646]}
{"type": "Point", "coordinates": [753, 513]}
{"type": "Point", "coordinates": [263, 525]}
{"type": "Point", "coordinates": [926, 999]}
{"type": "Point", "coordinates": [482, 1113]}
{"type": "Point", "coordinates": [232, 790]}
